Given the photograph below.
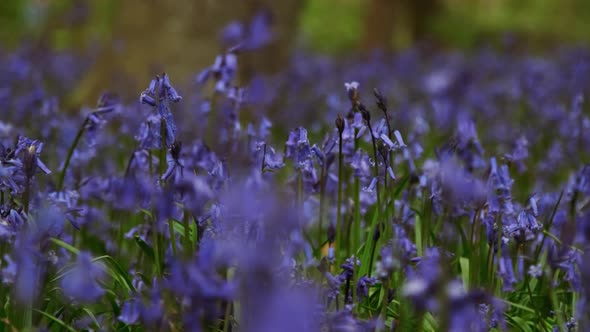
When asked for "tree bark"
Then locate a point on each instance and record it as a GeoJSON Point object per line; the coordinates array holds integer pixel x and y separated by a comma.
{"type": "Point", "coordinates": [379, 25]}
{"type": "Point", "coordinates": [383, 17]}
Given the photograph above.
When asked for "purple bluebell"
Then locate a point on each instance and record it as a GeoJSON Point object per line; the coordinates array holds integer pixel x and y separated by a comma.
{"type": "Point", "coordinates": [222, 71]}
{"type": "Point", "coordinates": [363, 285]}
{"type": "Point", "coordinates": [81, 283]}
{"type": "Point", "coordinates": [506, 270]}
{"type": "Point", "coordinates": [67, 202]}
{"type": "Point", "coordinates": [131, 311]}
{"type": "Point", "coordinates": [31, 150]}
{"type": "Point", "coordinates": [175, 164]}
{"type": "Point", "coordinates": [297, 147]}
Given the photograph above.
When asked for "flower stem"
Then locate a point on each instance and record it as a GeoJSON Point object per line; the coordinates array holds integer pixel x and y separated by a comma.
{"type": "Point", "coordinates": [357, 205]}
{"type": "Point", "coordinates": [27, 194]}
{"type": "Point", "coordinates": [172, 236]}
{"type": "Point", "coordinates": [156, 239]}
{"type": "Point", "coordinates": [339, 230]}
{"type": "Point", "coordinates": [62, 175]}
{"type": "Point", "coordinates": [323, 179]}
{"type": "Point", "coordinates": [187, 239]}
{"type": "Point", "coordinates": [378, 207]}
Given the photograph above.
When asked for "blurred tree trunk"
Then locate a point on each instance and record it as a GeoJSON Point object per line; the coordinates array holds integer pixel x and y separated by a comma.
{"type": "Point", "coordinates": [385, 17]}
{"type": "Point", "coordinates": [180, 37]}
{"type": "Point", "coordinates": [379, 24]}
{"type": "Point", "coordinates": [421, 13]}
{"type": "Point", "coordinates": [275, 56]}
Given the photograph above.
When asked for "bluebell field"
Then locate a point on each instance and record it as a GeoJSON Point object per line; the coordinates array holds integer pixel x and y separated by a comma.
{"type": "Point", "coordinates": [426, 191]}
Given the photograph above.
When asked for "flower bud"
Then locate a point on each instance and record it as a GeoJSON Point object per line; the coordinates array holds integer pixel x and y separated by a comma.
{"type": "Point", "coordinates": [364, 112]}
{"type": "Point", "coordinates": [353, 91]}
{"type": "Point", "coordinates": [339, 124]}
{"type": "Point", "coordinates": [381, 102]}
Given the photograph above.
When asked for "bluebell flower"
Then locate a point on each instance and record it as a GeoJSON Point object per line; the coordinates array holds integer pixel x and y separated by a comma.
{"type": "Point", "coordinates": [31, 149]}
{"type": "Point", "coordinates": [149, 135]}
{"type": "Point", "coordinates": [361, 164]}
{"type": "Point", "coordinates": [386, 264]}
{"type": "Point", "coordinates": [273, 161]}
{"type": "Point", "coordinates": [259, 31]}
{"type": "Point", "coordinates": [363, 285]}
{"type": "Point", "coordinates": [500, 186]}
{"type": "Point", "coordinates": [29, 270]}
{"type": "Point", "coordinates": [175, 164]}
{"type": "Point", "coordinates": [506, 270]}
{"type": "Point", "coordinates": [82, 282]}
{"type": "Point", "coordinates": [158, 95]}
{"type": "Point", "coordinates": [67, 202]}
{"type": "Point", "coordinates": [131, 311]}
{"type": "Point", "coordinates": [223, 71]}
{"type": "Point", "coordinates": [535, 271]}
{"type": "Point", "coordinates": [297, 147]}
{"type": "Point", "coordinates": [12, 177]}
{"type": "Point", "coordinates": [352, 88]}
{"type": "Point", "coordinates": [519, 154]}
{"type": "Point", "coordinates": [9, 271]}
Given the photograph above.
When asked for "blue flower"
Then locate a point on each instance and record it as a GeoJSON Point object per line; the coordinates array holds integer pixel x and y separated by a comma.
{"type": "Point", "coordinates": [81, 283]}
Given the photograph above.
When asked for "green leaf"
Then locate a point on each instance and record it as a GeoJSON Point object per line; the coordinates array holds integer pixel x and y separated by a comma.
{"type": "Point", "coordinates": [146, 248]}
{"type": "Point", "coordinates": [65, 245]}
{"type": "Point", "coordinates": [365, 268]}
{"type": "Point", "coordinates": [118, 273]}
{"type": "Point", "coordinates": [179, 227]}
{"type": "Point", "coordinates": [56, 320]}
{"type": "Point", "coordinates": [402, 184]}
{"type": "Point", "coordinates": [519, 306]}
{"type": "Point", "coordinates": [520, 323]}
{"type": "Point", "coordinates": [91, 315]}
{"type": "Point", "coordinates": [146, 212]}
{"type": "Point", "coordinates": [418, 233]}
{"type": "Point", "coordinates": [464, 263]}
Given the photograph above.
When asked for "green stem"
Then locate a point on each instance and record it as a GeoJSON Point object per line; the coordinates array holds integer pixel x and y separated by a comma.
{"type": "Point", "coordinates": [378, 207]}
{"type": "Point", "coordinates": [156, 240]}
{"type": "Point", "coordinates": [228, 307]}
{"type": "Point", "coordinates": [322, 204]}
{"type": "Point", "coordinates": [28, 317]}
{"type": "Point", "coordinates": [530, 294]}
{"type": "Point", "coordinates": [62, 175]}
{"type": "Point", "coordinates": [339, 231]}
{"type": "Point", "coordinates": [499, 253]}
{"type": "Point", "coordinates": [375, 167]}
{"type": "Point", "coordinates": [548, 227]}
{"type": "Point", "coordinates": [385, 302]}
{"type": "Point", "coordinates": [74, 236]}
{"type": "Point", "coordinates": [474, 253]}
{"type": "Point", "coordinates": [121, 232]}
{"type": "Point", "coordinates": [163, 133]}
{"type": "Point", "coordinates": [150, 163]}
{"type": "Point", "coordinates": [187, 239]}
{"type": "Point", "coordinates": [357, 238]}
{"type": "Point", "coordinates": [172, 236]}
{"type": "Point", "coordinates": [211, 120]}
{"type": "Point", "coordinates": [555, 303]}
{"type": "Point", "coordinates": [26, 194]}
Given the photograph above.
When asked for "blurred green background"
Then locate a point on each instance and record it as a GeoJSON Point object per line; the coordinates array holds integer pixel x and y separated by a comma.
{"type": "Point", "coordinates": [132, 40]}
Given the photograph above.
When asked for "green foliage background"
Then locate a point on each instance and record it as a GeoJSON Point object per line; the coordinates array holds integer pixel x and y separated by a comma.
{"type": "Point", "coordinates": [335, 26]}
